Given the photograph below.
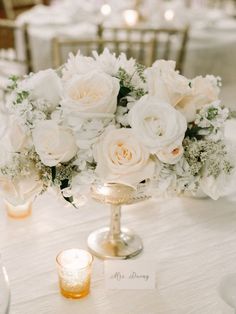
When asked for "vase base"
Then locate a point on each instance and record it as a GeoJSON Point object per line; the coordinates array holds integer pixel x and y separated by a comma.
{"type": "Point", "coordinates": [126, 246]}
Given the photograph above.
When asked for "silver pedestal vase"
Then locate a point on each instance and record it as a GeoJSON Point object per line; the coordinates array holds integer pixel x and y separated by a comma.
{"type": "Point", "coordinates": [116, 242]}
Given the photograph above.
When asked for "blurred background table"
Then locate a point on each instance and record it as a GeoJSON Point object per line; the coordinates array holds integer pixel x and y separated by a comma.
{"type": "Point", "coordinates": [211, 47]}
{"type": "Point", "coordinates": [191, 240]}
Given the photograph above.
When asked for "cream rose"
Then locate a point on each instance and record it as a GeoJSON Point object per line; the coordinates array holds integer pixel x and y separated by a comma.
{"type": "Point", "coordinates": [171, 155]}
{"type": "Point", "coordinates": [121, 158]}
{"type": "Point", "coordinates": [95, 92]}
{"type": "Point", "coordinates": [204, 91]}
{"type": "Point", "coordinates": [157, 124]}
{"type": "Point", "coordinates": [166, 83]}
{"type": "Point", "coordinates": [44, 85]}
{"type": "Point", "coordinates": [53, 143]}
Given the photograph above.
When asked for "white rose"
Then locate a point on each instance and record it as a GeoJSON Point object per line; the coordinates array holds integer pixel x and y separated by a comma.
{"type": "Point", "coordinates": [171, 155]}
{"type": "Point", "coordinates": [20, 190]}
{"type": "Point", "coordinates": [44, 85]}
{"type": "Point", "coordinates": [53, 143]}
{"type": "Point", "coordinates": [121, 158]}
{"type": "Point", "coordinates": [166, 83]}
{"type": "Point", "coordinates": [187, 107]}
{"type": "Point", "coordinates": [95, 92]}
{"type": "Point", "coordinates": [157, 124]}
{"type": "Point", "coordinates": [204, 91]}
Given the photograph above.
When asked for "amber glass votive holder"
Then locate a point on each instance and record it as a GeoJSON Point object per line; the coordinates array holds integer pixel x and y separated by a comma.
{"type": "Point", "coordinates": [74, 271]}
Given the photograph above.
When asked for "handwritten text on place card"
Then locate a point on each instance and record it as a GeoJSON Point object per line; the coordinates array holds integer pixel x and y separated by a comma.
{"type": "Point", "coordinates": [130, 275]}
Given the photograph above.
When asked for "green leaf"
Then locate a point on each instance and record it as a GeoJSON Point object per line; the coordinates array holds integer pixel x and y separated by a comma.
{"type": "Point", "coordinates": [212, 113]}
{"type": "Point", "coordinates": [124, 91]}
{"type": "Point", "coordinates": [193, 132]}
{"type": "Point", "coordinates": [54, 172]}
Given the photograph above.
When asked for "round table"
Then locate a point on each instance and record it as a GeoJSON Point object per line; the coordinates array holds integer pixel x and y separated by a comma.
{"type": "Point", "coordinates": [192, 241]}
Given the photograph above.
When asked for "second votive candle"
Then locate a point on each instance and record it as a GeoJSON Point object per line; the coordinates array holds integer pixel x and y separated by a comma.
{"type": "Point", "coordinates": [74, 270]}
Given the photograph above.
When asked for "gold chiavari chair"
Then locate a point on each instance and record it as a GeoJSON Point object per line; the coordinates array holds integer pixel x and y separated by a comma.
{"type": "Point", "coordinates": [168, 43]}
{"type": "Point", "coordinates": [141, 50]}
{"type": "Point", "coordinates": [13, 61]}
{"type": "Point", "coordinates": [14, 7]}
{"type": "Point", "coordinates": [220, 4]}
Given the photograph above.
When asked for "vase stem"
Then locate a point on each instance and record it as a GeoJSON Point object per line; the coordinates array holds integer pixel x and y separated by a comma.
{"type": "Point", "coordinates": [115, 222]}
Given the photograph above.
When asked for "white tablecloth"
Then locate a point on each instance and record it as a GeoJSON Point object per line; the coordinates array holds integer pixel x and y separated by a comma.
{"type": "Point", "coordinates": [192, 241]}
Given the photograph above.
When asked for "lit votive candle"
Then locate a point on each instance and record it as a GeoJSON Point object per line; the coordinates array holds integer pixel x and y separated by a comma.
{"type": "Point", "coordinates": [74, 271]}
{"type": "Point", "coordinates": [131, 17]}
{"type": "Point", "coordinates": [169, 15]}
{"type": "Point", "coordinates": [18, 211]}
{"type": "Point", "coordinates": [105, 9]}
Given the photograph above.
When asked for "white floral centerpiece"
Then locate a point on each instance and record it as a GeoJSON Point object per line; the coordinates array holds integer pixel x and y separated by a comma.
{"type": "Point", "coordinates": [108, 119]}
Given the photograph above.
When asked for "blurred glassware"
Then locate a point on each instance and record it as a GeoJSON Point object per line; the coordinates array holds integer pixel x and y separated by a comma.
{"type": "Point", "coordinates": [131, 17]}
{"type": "Point", "coordinates": [20, 211]}
{"type": "Point", "coordinates": [227, 290]}
{"type": "Point", "coordinates": [5, 295]}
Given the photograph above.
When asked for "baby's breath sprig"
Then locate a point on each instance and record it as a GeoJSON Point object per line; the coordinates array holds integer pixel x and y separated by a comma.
{"type": "Point", "coordinates": [13, 83]}
{"type": "Point", "coordinates": [140, 70]}
{"type": "Point", "coordinates": [126, 86]}
{"type": "Point", "coordinates": [206, 155]}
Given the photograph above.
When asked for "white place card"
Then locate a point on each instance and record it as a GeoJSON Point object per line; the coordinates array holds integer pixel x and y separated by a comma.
{"type": "Point", "coordinates": [130, 274]}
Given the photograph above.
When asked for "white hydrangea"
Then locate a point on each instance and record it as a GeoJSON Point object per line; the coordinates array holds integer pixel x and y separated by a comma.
{"type": "Point", "coordinates": [107, 62]}
{"type": "Point", "coordinates": [122, 115]}
{"type": "Point", "coordinates": [88, 130]}
{"type": "Point", "coordinates": [78, 64]}
{"type": "Point", "coordinates": [174, 179]}
{"type": "Point", "coordinates": [216, 81]}
{"type": "Point", "coordinates": [211, 118]}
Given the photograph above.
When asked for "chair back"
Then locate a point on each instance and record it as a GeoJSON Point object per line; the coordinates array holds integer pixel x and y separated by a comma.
{"type": "Point", "coordinates": [140, 50]}
{"type": "Point", "coordinates": [15, 56]}
{"type": "Point", "coordinates": [211, 3]}
{"type": "Point", "coordinates": [13, 8]}
{"type": "Point", "coordinates": [168, 43]}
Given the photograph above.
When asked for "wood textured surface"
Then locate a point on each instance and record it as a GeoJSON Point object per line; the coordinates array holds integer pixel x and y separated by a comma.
{"type": "Point", "coordinates": [192, 241]}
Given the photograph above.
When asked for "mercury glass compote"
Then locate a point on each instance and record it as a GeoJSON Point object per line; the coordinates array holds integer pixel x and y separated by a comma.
{"type": "Point", "coordinates": [116, 242]}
